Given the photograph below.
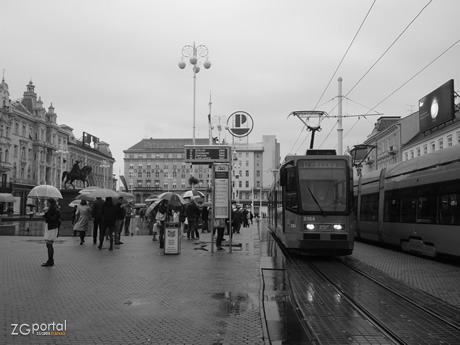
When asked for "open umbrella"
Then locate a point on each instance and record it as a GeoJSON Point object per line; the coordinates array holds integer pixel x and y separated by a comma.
{"type": "Point", "coordinates": [193, 194]}
{"type": "Point", "coordinates": [152, 198]}
{"type": "Point", "coordinates": [174, 199]}
{"type": "Point", "coordinates": [126, 195]}
{"type": "Point", "coordinates": [44, 192]}
{"type": "Point", "coordinates": [75, 203]}
{"type": "Point", "coordinates": [6, 197]}
{"type": "Point", "coordinates": [103, 193]}
{"type": "Point", "coordinates": [89, 189]}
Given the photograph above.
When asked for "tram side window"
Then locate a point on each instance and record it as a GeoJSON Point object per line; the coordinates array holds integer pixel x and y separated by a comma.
{"type": "Point", "coordinates": [408, 208]}
{"type": "Point", "coordinates": [449, 209]}
{"type": "Point", "coordinates": [369, 207]}
{"type": "Point", "coordinates": [426, 209]}
{"type": "Point", "coordinates": [291, 189]}
{"type": "Point", "coordinates": [392, 208]}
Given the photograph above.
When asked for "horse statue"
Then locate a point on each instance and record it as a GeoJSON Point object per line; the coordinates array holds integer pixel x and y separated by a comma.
{"type": "Point", "coordinates": [77, 174]}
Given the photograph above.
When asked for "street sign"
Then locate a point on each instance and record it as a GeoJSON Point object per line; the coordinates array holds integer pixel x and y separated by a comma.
{"type": "Point", "coordinates": [204, 154]}
{"type": "Point", "coordinates": [221, 191]}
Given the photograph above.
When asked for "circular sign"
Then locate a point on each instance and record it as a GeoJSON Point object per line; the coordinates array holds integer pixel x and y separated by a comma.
{"type": "Point", "coordinates": [240, 124]}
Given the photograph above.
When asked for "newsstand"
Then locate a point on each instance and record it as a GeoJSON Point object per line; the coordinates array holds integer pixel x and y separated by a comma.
{"type": "Point", "coordinates": [172, 238]}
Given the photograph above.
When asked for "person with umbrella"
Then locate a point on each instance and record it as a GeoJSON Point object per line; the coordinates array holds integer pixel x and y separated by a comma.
{"type": "Point", "coordinates": [53, 221]}
{"type": "Point", "coordinates": [192, 212]}
{"type": "Point", "coordinates": [81, 223]}
{"type": "Point", "coordinates": [108, 221]}
{"type": "Point", "coordinates": [162, 213]}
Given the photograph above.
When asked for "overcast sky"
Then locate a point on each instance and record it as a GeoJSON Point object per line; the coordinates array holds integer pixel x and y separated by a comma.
{"type": "Point", "coordinates": [110, 68]}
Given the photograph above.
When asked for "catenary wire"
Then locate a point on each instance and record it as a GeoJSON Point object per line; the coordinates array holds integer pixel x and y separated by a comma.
{"type": "Point", "coordinates": [335, 72]}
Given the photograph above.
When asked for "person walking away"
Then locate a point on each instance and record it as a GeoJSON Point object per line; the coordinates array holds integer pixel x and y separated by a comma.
{"type": "Point", "coordinates": [108, 222]}
{"type": "Point", "coordinates": [205, 219]}
{"type": "Point", "coordinates": [151, 223]}
{"type": "Point", "coordinates": [120, 214]}
{"type": "Point", "coordinates": [74, 219]}
{"type": "Point", "coordinates": [161, 216]}
{"type": "Point", "coordinates": [53, 222]}
{"type": "Point", "coordinates": [82, 220]}
{"type": "Point", "coordinates": [128, 211]}
{"type": "Point", "coordinates": [182, 217]}
{"type": "Point", "coordinates": [96, 213]}
{"type": "Point", "coordinates": [193, 213]}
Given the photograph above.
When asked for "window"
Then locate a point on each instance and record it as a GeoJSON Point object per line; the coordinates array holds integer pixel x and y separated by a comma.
{"type": "Point", "coordinates": [418, 152]}
{"type": "Point", "coordinates": [449, 140]}
{"type": "Point", "coordinates": [247, 184]}
{"type": "Point", "coordinates": [369, 207]}
{"type": "Point", "coordinates": [441, 143]}
{"type": "Point", "coordinates": [258, 173]}
{"type": "Point", "coordinates": [433, 146]}
{"type": "Point", "coordinates": [411, 154]}
{"type": "Point", "coordinates": [425, 149]}
{"type": "Point", "coordinates": [247, 173]}
{"type": "Point", "coordinates": [139, 173]}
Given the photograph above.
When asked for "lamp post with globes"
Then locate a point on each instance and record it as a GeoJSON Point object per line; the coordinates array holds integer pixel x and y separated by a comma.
{"type": "Point", "coordinates": [195, 54]}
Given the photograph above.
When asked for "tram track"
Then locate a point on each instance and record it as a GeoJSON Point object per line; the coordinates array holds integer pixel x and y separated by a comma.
{"type": "Point", "coordinates": [343, 304]}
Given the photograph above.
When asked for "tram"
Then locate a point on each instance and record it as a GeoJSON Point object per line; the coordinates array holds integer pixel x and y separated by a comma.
{"type": "Point", "coordinates": [413, 205]}
{"type": "Point", "coordinates": [311, 206]}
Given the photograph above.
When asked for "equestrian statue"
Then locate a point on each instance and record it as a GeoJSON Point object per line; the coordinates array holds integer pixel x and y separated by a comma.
{"type": "Point", "coordinates": [77, 174]}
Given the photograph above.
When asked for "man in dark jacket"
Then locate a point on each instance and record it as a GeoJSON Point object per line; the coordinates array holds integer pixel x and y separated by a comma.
{"type": "Point", "coordinates": [96, 213]}
{"type": "Point", "coordinates": [192, 212]}
{"type": "Point", "coordinates": [120, 214]}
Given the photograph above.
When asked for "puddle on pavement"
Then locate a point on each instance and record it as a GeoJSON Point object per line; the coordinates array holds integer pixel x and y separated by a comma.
{"type": "Point", "coordinates": [234, 303]}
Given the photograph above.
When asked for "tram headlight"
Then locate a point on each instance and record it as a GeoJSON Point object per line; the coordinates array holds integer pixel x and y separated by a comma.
{"type": "Point", "coordinates": [338, 227]}
{"type": "Point", "coordinates": [310, 226]}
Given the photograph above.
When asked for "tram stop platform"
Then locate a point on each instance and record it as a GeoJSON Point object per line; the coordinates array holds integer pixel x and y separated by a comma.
{"type": "Point", "coordinates": [135, 294]}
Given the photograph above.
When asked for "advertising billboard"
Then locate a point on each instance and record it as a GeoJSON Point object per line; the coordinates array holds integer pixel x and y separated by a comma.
{"type": "Point", "coordinates": [437, 107]}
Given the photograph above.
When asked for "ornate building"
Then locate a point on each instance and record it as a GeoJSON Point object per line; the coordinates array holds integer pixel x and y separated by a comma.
{"type": "Point", "coordinates": [35, 149]}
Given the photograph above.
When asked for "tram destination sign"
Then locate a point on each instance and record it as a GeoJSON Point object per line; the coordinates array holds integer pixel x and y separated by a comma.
{"type": "Point", "coordinates": [207, 154]}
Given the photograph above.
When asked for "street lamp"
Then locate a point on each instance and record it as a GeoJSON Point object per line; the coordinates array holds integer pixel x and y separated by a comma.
{"type": "Point", "coordinates": [194, 54]}
{"type": "Point", "coordinates": [104, 166]}
{"type": "Point", "coordinates": [61, 153]}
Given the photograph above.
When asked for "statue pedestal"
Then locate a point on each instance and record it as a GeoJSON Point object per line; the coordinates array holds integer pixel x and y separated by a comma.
{"type": "Point", "coordinates": [68, 195]}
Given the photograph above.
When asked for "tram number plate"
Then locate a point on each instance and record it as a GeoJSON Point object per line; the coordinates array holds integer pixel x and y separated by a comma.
{"type": "Point", "coordinates": [323, 227]}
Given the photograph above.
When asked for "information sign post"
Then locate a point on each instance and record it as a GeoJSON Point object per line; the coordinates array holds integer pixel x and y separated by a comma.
{"type": "Point", "coordinates": [220, 157]}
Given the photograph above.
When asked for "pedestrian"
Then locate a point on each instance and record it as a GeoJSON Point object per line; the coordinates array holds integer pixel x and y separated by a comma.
{"type": "Point", "coordinates": [120, 214]}
{"type": "Point", "coordinates": [108, 222]}
{"type": "Point", "coordinates": [251, 216]}
{"type": "Point", "coordinates": [219, 226]}
{"type": "Point", "coordinates": [74, 217]}
{"type": "Point", "coordinates": [182, 218]}
{"type": "Point", "coordinates": [53, 222]}
{"type": "Point", "coordinates": [193, 213]}
{"type": "Point", "coordinates": [82, 220]}
{"type": "Point", "coordinates": [96, 213]}
{"type": "Point", "coordinates": [128, 214]}
{"type": "Point", "coordinates": [161, 216]}
{"type": "Point", "coordinates": [205, 219]}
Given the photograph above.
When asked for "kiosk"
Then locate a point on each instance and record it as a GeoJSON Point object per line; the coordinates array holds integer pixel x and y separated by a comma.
{"type": "Point", "coordinates": [172, 238]}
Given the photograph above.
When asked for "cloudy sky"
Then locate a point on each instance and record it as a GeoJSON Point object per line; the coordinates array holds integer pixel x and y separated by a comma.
{"type": "Point", "coordinates": [110, 67]}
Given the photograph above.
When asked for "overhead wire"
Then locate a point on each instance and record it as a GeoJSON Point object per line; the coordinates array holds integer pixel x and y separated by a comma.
{"type": "Point", "coordinates": [335, 72]}
{"type": "Point", "coordinates": [377, 61]}
{"type": "Point", "coordinates": [386, 51]}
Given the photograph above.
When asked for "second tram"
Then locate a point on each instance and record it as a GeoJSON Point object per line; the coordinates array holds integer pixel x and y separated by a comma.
{"type": "Point", "coordinates": [414, 204]}
{"type": "Point", "coordinates": [311, 207]}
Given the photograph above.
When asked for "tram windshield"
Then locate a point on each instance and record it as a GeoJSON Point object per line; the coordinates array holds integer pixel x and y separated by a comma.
{"type": "Point", "coordinates": [323, 185]}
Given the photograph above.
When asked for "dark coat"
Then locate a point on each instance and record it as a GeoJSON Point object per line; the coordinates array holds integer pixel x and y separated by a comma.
{"type": "Point", "coordinates": [53, 217]}
{"type": "Point", "coordinates": [192, 211]}
{"type": "Point", "coordinates": [109, 214]}
{"type": "Point", "coordinates": [96, 210]}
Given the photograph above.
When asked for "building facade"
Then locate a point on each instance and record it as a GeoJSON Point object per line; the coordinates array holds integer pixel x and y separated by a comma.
{"type": "Point", "coordinates": [394, 140]}
{"type": "Point", "coordinates": [153, 166]}
{"type": "Point", "coordinates": [36, 150]}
